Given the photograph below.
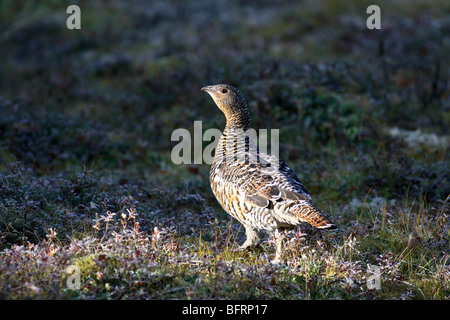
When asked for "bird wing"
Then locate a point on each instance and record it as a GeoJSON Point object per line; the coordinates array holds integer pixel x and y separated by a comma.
{"type": "Point", "coordinates": [267, 180]}
{"type": "Point", "coordinates": [262, 188]}
{"type": "Point", "coordinates": [270, 183]}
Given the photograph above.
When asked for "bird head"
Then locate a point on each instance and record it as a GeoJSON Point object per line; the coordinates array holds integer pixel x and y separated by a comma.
{"type": "Point", "coordinates": [231, 102]}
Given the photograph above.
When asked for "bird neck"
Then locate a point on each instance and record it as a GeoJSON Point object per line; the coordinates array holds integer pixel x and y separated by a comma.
{"type": "Point", "coordinates": [236, 145]}
{"type": "Point", "coordinates": [238, 120]}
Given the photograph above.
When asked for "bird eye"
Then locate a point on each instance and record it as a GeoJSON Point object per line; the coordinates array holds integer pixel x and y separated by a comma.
{"type": "Point", "coordinates": [224, 90]}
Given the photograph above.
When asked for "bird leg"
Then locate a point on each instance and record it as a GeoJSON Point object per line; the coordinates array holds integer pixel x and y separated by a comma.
{"type": "Point", "coordinates": [279, 237]}
{"type": "Point", "coordinates": [252, 238]}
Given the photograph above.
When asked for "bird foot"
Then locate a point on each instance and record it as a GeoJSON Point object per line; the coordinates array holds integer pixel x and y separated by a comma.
{"type": "Point", "coordinates": [239, 249]}
{"type": "Point", "coordinates": [276, 262]}
{"type": "Point", "coordinates": [246, 246]}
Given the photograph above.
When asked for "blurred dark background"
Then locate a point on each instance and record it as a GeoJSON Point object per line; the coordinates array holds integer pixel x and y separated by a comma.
{"type": "Point", "coordinates": [359, 111]}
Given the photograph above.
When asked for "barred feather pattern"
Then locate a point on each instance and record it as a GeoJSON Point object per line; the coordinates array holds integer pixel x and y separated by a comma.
{"type": "Point", "coordinates": [253, 197]}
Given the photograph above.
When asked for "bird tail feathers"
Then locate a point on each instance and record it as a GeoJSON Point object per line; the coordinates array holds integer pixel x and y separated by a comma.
{"type": "Point", "coordinates": [314, 217]}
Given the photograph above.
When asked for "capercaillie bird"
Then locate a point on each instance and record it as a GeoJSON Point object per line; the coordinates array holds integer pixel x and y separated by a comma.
{"type": "Point", "coordinates": [256, 188]}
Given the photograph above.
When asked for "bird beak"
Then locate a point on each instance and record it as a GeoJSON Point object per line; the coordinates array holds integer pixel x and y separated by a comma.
{"type": "Point", "coordinates": [207, 89]}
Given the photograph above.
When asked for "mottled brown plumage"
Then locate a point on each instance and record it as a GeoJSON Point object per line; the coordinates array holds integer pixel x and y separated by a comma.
{"type": "Point", "coordinates": [254, 187]}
